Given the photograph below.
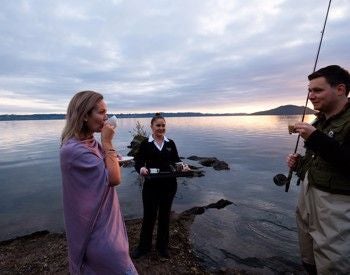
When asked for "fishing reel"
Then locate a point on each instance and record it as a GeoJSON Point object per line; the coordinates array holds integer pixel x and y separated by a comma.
{"type": "Point", "coordinates": [281, 179]}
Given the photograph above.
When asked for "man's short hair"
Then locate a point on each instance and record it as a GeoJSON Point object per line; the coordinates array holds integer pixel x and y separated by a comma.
{"type": "Point", "coordinates": [334, 75]}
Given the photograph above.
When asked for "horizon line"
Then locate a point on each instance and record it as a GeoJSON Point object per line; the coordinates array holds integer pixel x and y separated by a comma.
{"type": "Point", "coordinates": [167, 112]}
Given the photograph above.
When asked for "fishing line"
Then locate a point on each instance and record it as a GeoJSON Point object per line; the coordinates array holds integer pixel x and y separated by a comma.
{"type": "Point", "coordinates": [281, 179]}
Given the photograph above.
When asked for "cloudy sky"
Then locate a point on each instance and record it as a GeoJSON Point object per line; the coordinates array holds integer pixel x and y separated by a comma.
{"type": "Point", "coordinates": [171, 56]}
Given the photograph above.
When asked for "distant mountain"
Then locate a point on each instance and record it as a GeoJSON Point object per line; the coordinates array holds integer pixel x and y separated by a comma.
{"type": "Point", "coordinates": [282, 110]}
{"type": "Point", "coordinates": [285, 111]}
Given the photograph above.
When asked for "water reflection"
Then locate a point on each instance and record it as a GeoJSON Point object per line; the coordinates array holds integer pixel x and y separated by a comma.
{"type": "Point", "coordinates": [25, 132]}
{"type": "Point", "coordinates": [251, 123]}
{"type": "Point", "coordinates": [14, 133]}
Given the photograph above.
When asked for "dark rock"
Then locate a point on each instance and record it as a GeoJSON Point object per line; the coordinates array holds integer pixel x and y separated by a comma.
{"type": "Point", "coordinates": [220, 165]}
{"type": "Point", "coordinates": [198, 210]}
{"type": "Point", "coordinates": [208, 161]}
{"type": "Point", "coordinates": [193, 158]}
{"type": "Point", "coordinates": [211, 161]}
{"type": "Point", "coordinates": [219, 204]}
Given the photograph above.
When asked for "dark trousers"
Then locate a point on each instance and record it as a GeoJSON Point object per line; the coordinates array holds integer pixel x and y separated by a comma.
{"type": "Point", "coordinates": [157, 199]}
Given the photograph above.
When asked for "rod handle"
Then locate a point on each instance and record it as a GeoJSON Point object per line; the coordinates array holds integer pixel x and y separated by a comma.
{"type": "Point", "coordinates": [290, 174]}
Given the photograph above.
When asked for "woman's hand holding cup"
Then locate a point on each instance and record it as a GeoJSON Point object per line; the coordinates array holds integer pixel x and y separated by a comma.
{"type": "Point", "coordinates": [107, 134]}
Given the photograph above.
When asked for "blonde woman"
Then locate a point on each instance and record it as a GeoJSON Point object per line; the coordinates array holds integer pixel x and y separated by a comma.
{"type": "Point", "coordinates": [96, 235]}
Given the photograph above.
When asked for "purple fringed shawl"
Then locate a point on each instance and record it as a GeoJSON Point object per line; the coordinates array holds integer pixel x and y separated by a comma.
{"type": "Point", "coordinates": [85, 181]}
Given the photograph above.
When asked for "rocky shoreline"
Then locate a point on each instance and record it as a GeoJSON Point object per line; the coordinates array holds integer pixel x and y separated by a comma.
{"type": "Point", "coordinates": [45, 252]}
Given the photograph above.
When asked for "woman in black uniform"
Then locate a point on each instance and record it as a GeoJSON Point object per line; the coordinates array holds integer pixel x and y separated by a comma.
{"type": "Point", "coordinates": [158, 193]}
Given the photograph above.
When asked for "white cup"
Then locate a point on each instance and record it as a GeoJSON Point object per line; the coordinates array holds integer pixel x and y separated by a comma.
{"type": "Point", "coordinates": [154, 170]}
{"type": "Point", "coordinates": [113, 121]}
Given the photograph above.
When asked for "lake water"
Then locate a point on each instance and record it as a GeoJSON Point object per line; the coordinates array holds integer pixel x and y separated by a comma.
{"type": "Point", "coordinates": [257, 232]}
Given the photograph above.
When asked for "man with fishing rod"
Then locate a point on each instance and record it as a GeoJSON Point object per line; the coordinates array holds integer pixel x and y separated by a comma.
{"type": "Point", "coordinates": [323, 210]}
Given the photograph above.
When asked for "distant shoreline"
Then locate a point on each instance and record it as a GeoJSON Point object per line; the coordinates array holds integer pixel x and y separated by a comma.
{"type": "Point", "coordinates": [279, 111]}
{"type": "Point", "coordinates": [146, 115]}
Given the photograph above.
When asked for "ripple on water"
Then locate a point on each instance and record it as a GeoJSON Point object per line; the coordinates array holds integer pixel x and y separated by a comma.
{"type": "Point", "coordinates": [245, 241]}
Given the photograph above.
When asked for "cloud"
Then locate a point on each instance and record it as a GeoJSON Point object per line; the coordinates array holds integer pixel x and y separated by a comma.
{"type": "Point", "coordinates": [221, 56]}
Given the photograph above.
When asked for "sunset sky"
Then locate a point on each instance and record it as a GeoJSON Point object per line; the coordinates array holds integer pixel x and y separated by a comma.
{"type": "Point", "coordinates": [170, 56]}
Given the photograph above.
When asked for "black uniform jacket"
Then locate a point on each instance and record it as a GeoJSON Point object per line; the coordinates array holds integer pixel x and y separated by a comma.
{"type": "Point", "coordinates": [150, 156]}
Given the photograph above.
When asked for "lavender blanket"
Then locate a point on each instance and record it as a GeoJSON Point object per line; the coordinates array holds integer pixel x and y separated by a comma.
{"type": "Point", "coordinates": [85, 180]}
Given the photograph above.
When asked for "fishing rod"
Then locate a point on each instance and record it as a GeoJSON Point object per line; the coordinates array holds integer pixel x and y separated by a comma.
{"type": "Point", "coordinates": [281, 179]}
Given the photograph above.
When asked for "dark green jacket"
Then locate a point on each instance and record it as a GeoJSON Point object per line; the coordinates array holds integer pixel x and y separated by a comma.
{"type": "Point", "coordinates": [327, 156]}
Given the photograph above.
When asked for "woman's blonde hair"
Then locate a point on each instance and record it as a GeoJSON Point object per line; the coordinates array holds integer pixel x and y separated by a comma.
{"type": "Point", "coordinates": [80, 106]}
